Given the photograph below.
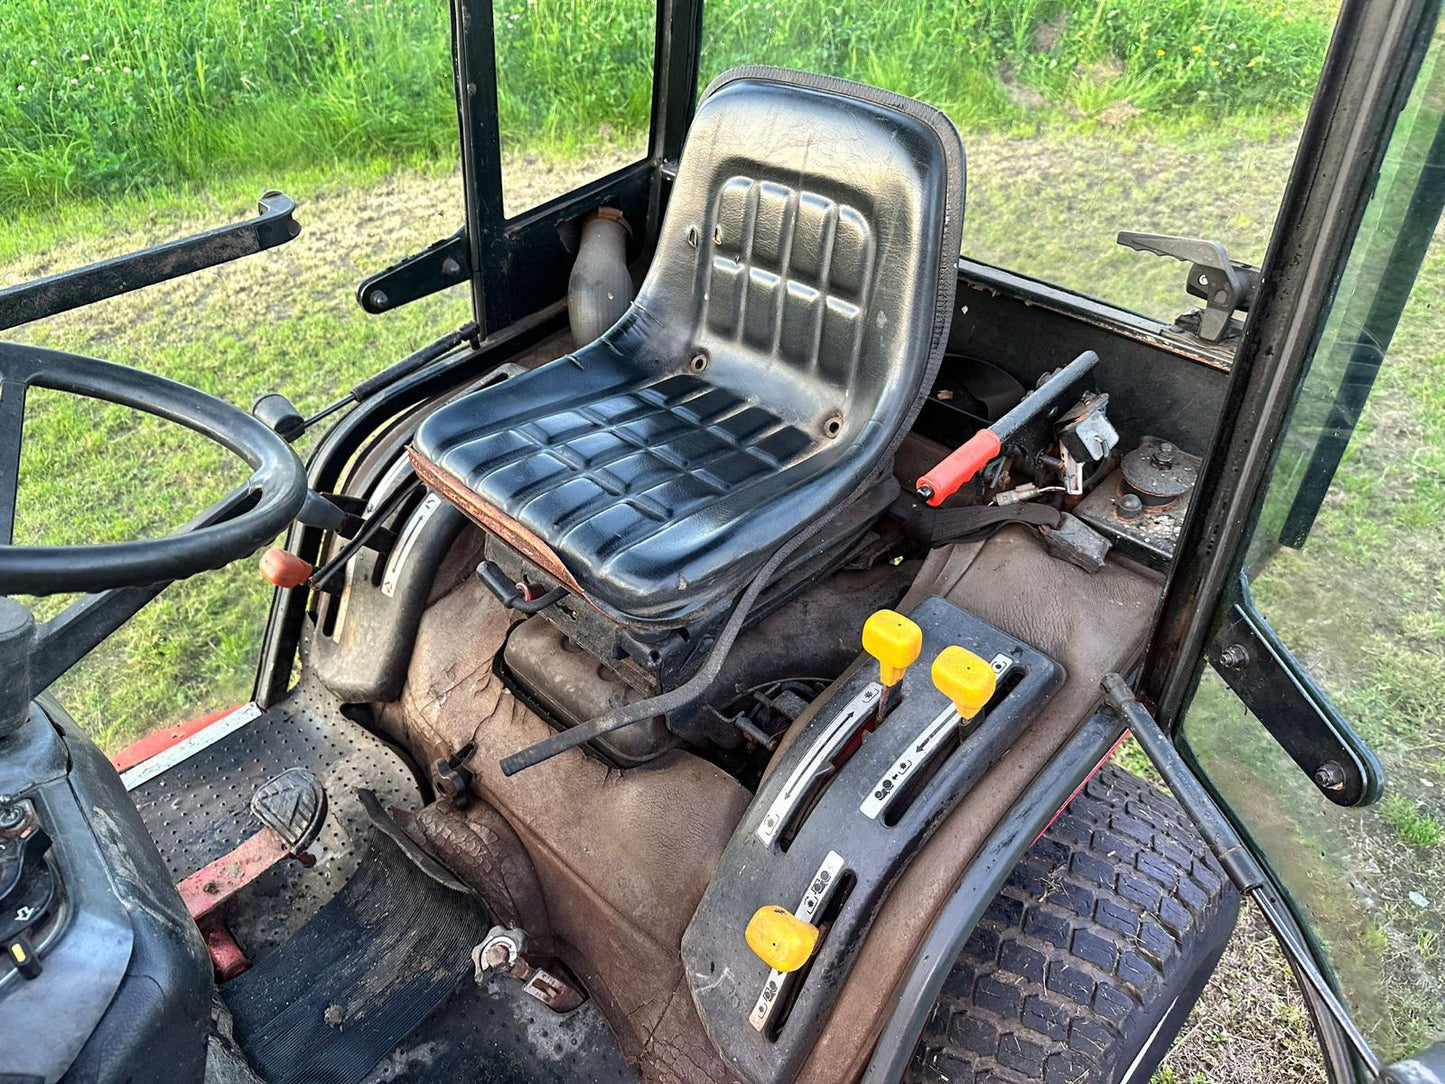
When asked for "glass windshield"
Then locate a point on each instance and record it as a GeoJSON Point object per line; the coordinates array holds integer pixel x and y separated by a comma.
{"type": "Point", "coordinates": [125, 125]}
{"type": "Point", "coordinates": [1078, 122]}
{"type": "Point", "coordinates": [574, 93]}
{"type": "Point", "coordinates": [1348, 566]}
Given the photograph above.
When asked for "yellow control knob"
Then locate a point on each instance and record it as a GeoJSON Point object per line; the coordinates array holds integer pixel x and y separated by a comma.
{"type": "Point", "coordinates": [964, 678]}
{"type": "Point", "coordinates": [894, 641]}
{"type": "Point", "coordinates": [781, 939]}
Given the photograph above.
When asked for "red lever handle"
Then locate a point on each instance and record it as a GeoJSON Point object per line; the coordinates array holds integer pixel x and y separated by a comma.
{"type": "Point", "coordinates": [959, 466]}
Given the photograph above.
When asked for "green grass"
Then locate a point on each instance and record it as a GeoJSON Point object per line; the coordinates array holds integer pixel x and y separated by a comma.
{"type": "Point", "coordinates": [1363, 607]}
{"type": "Point", "coordinates": [125, 96]}
{"type": "Point", "coordinates": [1415, 827]}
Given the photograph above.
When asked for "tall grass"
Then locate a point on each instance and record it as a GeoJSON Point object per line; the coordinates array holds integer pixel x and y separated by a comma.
{"type": "Point", "coordinates": [130, 94]}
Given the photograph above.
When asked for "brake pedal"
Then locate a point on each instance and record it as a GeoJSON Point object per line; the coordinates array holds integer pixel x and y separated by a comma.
{"type": "Point", "coordinates": [292, 810]}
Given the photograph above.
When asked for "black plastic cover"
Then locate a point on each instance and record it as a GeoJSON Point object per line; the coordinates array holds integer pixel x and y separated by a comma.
{"type": "Point", "coordinates": [839, 849]}
{"type": "Point", "coordinates": [125, 987]}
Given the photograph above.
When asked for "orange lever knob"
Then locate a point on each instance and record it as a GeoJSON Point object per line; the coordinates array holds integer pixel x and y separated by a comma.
{"type": "Point", "coordinates": [284, 569]}
{"type": "Point", "coordinates": [944, 480]}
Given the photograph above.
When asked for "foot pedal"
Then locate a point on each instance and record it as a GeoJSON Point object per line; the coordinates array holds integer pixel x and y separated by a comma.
{"type": "Point", "coordinates": [838, 819]}
{"type": "Point", "coordinates": [293, 805]}
{"type": "Point", "coordinates": [292, 810]}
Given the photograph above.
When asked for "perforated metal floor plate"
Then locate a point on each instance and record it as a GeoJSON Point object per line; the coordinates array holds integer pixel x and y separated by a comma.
{"type": "Point", "coordinates": [830, 847]}
{"type": "Point", "coordinates": [198, 809]}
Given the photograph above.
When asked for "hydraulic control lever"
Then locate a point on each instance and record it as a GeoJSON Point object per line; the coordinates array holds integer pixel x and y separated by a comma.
{"type": "Point", "coordinates": [895, 642]}
{"type": "Point", "coordinates": [968, 681]}
{"type": "Point", "coordinates": [1224, 284]}
{"type": "Point", "coordinates": [1040, 406]}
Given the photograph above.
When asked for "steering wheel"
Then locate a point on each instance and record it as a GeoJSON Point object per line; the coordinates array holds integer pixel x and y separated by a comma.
{"type": "Point", "coordinates": [251, 516]}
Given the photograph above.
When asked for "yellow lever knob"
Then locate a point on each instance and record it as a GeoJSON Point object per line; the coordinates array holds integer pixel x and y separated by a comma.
{"type": "Point", "coordinates": [894, 641]}
{"type": "Point", "coordinates": [780, 938]}
{"type": "Point", "coordinates": [964, 678]}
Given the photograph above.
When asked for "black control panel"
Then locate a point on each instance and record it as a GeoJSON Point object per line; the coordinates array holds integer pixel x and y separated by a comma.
{"type": "Point", "coordinates": [850, 802]}
{"type": "Point", "coordinates": [29, 888]}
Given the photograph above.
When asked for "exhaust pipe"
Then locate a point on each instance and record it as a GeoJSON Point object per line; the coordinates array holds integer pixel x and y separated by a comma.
{"type": "Point", "coordinates": [600, 288]}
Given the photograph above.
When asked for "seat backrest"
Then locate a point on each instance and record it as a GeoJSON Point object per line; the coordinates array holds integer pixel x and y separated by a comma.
{"type": "Point", "coordinates": [809, 253]}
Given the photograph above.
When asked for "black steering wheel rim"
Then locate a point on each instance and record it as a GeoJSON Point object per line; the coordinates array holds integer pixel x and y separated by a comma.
{"type": "Point", "coordinates": [277, 486]}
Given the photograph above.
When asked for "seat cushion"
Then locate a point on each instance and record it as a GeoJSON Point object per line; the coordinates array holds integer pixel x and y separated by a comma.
{"type": "Point", "coordinates": [789, 327]}
{"type": "Point", "coordinates": [644, 492]}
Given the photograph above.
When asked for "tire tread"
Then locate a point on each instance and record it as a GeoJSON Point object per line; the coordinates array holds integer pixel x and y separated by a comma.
{"type": "Point", "coordinates": [1078, 946]}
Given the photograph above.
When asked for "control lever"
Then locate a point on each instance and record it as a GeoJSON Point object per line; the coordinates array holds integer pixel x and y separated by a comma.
{"type": "Point", "coordinates": [966, 679]}
{"type": "Point", "coordinates": [1043, 404]}
{"type": "Point", "coordinates": [286, 421]}
{"type": "Point", "coordinates": [1225, 285]}
{"type": "Point", "coordinates": [895, 642]}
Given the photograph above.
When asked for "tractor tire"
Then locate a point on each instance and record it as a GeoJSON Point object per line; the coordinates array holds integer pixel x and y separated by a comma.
{"type": "Point", "coordinates": [1087, 962]}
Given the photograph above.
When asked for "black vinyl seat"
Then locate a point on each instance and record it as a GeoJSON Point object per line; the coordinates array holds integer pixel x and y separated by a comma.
{"type": "Point", "coordinates": [789, 326]}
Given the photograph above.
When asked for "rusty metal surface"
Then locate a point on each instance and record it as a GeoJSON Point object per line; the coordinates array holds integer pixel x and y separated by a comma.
{"type": "Point", "coordinates": [227, 956]}
{"type": "Point", "coordinates": [484, 515]}
{"type": "Point", "coordinates": [218, 882]}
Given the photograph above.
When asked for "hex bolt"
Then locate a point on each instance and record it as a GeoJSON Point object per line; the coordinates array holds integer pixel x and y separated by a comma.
{"type": "Point", "coordinates": [450, 268]}
{"type": "Point", "coordinates": [1163, 456]}
{"type": "Point", "coordinates": [497, 954]}
{"type": "Point", "coordinates": [11, 815]}
{"type": "Point", "coordinates": [1234, 657]}
{"type": "Point", "coordinates": [1330, 776]}
{"type": "Point", "coordinates": [378, 299]}
{"type": "Point", "coordinates": [1129, 506]}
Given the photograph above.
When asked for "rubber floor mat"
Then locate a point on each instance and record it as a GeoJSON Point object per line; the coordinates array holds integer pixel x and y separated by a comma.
{"type": "Point", "coordinates": [499, 1034]}
{"type": "Point", "coordinates": [199, 809]}
{"type": "Point", "coordinates": [369, 967]}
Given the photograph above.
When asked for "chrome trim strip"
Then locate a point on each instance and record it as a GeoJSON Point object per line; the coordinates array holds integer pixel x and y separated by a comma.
{"type": "Point", "coordinates": [822, 752]}
{"type": "Point", "coordinates": [819, 891]}
{"type": "Point", "coordinates": [919, 753]}
{"type": "Point", "coordinates": [167, 759]}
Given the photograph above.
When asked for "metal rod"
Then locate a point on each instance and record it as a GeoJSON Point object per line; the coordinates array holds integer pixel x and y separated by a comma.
{"type": "Point", "coordinates": [274, 225]}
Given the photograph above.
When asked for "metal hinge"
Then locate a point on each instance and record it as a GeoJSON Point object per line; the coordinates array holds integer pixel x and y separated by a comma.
{"type": "Point", "coordinates": [443, 264]}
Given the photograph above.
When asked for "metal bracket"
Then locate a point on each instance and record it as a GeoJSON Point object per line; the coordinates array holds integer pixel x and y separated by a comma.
{"type": "Point", "coordinates": [504, 952]}
{"type": "Point", "coordinates": [273, 225]}
{"type": "Point", "coordinates": [1277, 690]}
{"type": "Point", "coordinates": [443, 264]}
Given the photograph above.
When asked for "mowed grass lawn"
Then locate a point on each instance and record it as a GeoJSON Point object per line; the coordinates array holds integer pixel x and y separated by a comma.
{"type": "Point", "coordinates": [154, 120]}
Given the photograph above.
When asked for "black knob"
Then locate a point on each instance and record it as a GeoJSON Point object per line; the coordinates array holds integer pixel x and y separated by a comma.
{"type": "Point", "coordinates": [280, 415]}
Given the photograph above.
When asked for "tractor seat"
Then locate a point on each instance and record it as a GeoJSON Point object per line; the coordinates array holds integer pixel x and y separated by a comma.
{"type": "Point", "coordinates": [790, 325]}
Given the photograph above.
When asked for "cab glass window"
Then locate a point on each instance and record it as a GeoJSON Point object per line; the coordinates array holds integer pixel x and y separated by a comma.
{"type": "Point", "coordinates": [574, 93]}
{"type": "Point", "coordinates": [126, 125]}
{"type": "Point", "coordinates": [1078, 121]}
{"type": "Point", "coordinates": [1348, 566]}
